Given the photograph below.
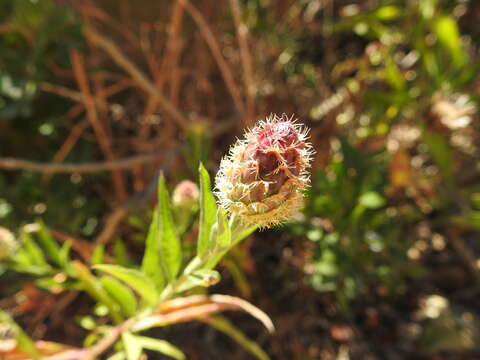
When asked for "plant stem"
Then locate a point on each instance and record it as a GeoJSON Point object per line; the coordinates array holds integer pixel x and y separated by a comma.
{"type": "Point", "coordinates": [171, 289]}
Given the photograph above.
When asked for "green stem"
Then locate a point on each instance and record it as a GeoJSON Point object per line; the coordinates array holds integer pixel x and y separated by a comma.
{"type": "Point", "coordinates": [171, 289]}
{"type": "Point", "coordinates": [210, 259]}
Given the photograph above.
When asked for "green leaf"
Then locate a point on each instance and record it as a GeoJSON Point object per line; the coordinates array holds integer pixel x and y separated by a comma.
{"type": "Point", "coordinates": [161, 346]}
{"type": "Point", "coordinates": [371, 200]}
{"type": "Point", "coordinates": [33, 251]}
{"type": "Point", "coordinates": [120, 253]}
{"type": "Point", "coordinates": [93, 287]}
{"type": "Point", "coordinates": [221, 232]}
{"type": "Point", "coordinates": [208, 210]}
{"type": "Point", "coordinates": [441, 153]}
{"type": "Point", "coordinates": [122, 295]}
{"type": "Point", "coordinates": [240, 234]}
{"type": "Point", "coordinates": [203, 278]}
{"type": "Point", "coordinates": [393, 75]}
{"type": "Point", "coordinates": [64, 254]}
{"type": "Point", "coordinates": [49, 244]}
{"type": "Point", "coordinates": [169, 244]}
{"type": "Point", "coordinates": [388, 13]}
{"type": "Point", "coordinates": [134, 278]}
{"type": "Point", "coordinates": [448, 35]}
{"type": "Point", "coordinates": [151, 258]}
{"type": "Point", "coordinates": [133, 347]}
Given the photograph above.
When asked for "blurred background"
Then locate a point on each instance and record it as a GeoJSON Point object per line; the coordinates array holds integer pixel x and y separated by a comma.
{"type": "Point", "coordinates": [384, 263]}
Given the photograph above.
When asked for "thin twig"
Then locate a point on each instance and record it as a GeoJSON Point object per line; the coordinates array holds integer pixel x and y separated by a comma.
{"type": "Point", "coordinates": [112, 222]}
{"type": "Point", "coordinates": [174, 49]}
{"type": "Point", "coordinates": [61, 91]}
{"type": "Point", "coordinates": [135, 73]}
{"type": "Point", "coordinates": [246, 59]}
{"type": "Point", "coordinates": [212, 43]}
{"type": "Point", "coordinates": [70, 142]}
{"type": "Point", "coordinates": [4, 28]}
{"type": "Point", "coordinates": [92, 116]}
{"type": "Point", "coordinates": [464, 253]}
{"type": "Point", "coordinates": [168, 67]}
{"type": "Point", "coordinates": [101, 15]}
{"type": "Point", "coordinates": [8, 163]}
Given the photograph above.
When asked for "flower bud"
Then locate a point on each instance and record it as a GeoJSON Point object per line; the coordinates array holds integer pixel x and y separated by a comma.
{"type": "Point", "coordinates": [7, 243]}
{"type": "Point", "coordinates": [186, 194]}
{"type": "Point", "coordinates": [262, 179]}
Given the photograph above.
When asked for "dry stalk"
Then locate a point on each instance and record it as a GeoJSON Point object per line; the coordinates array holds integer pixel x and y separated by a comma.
{"type": "Point", "coordinates": [136, 74]}
{"type": "Point", "coordinates": [92, 116]}
{"type": "Point", "coordinates": [246, 59]}
{"type": "Point", "coordinates": [212, 43]}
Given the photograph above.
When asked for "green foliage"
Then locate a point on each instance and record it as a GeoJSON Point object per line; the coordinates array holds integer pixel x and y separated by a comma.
{"type": "Point", "coordinates": [388, 65]}
{"type": "Point", "coordinates": [131, 295]}
{"type": "Point", "coordinates": [366, 203]}
{"type": "Point", "coordinates": [350, 193]}
{"type": "Point", "coordinates": [136, 279]}
{"type": "Point", "coordinates": [208, 210]}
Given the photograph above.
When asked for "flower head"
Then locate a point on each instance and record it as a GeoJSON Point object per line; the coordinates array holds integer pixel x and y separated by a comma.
{"type": "Point", "coordinates": [262, 179]}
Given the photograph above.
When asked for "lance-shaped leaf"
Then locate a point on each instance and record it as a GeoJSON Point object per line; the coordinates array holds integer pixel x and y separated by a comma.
{"type": "Point", "coordinates": [48, 242]}
{"type": "Point", "coordinates": [221, 233]}
{"type": "Point", "coordinates": [33, 251]}
{"type": "Point", "coordinates": [133, 278]}
{"type": "Point", "coordinates": [208, 210]}
{"type": "Point", "coordinates": [95, 289]}
{"type": "Point", "coordinates": [151, 259]}
{"type": "Point", "coordinates": [446, 29]}
{"type": "Point", "coordinates": [169, 244]}
{"type": "Point", "coordinates": [122, 294]}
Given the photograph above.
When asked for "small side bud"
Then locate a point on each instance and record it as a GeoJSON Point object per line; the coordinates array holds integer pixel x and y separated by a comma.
{"type": "Point", "coordinates": [186, 194]}
{"type": "Point", "coordinates": [262, 179]}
